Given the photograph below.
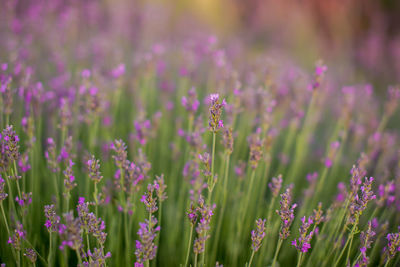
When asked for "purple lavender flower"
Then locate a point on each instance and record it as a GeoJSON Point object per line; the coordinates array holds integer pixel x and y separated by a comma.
{"type": "Point", "coordinates": [258, 235]}
{"type": "Point", "coordinates": [66, 151]}
{"type": "Point", "coordinates": [119, 148]}
{"type": "Point", "coordinates": [65, 114]}
{"type": "Point", "coordinates": [275, 185]}
{"type": "Point", "coordinates": [31, 255]}
{"type": "Point", "coordinates": [203, 225]}
{"type": "Point", "coordinates": [97, 257]}
{"type": "Point", "coordinates": [9, 148]}
{"type": "Point", "coordinates": [386, 193]}
{"type": "Point", "coordinates": [16, 239]}
{"type": "Point", "coordinates": [142, 128]}
{"type": "Point", "coordinates": [51, 155]}
{"type": "Point", "coordinates": [23, 163]}
{"type": "Point", "coordinates": [3, 194]}
{"type": "Point", "coordinates": [191, 103]}
{"type": "Point", "coordinates": [145, 247]}
{"type": "Point", "coordinates": [93, 167]}
{"type": "Point", "coordinates": [214, 121]}
{"type": "Point", "coordinates": [359, 203]}
{"type": "Point", "coordinates": [286, 213]}
{"type": "Point", "coordinates": [149, 200]}
{"type": "Point", "coordinates": [393, 245]}
{"type": "Point", "coordinates": [160, 188]}
{"type": "Point", "coordinates": [52, 219]}
{"type": "Point", "coordinates": [366, 241]}
{"type": "Point", "coordinates": [255, 144]}
{"type": "Point", "coordinates": [302, 244]}
{"type": "Point", "coordinates": [192, 214]}
{"type": "Point", "coordinates": [118, 71]}
{"type": "Point", "coordinates": [69, 179]}
{"type": "Point", "coordinates": [71, 232]}
{"type": "Point", "coordinates": [317, 216]}
{"type": "Point", "coordinates": [320, 70]}
{"type": "Point", "coordinates": [227, 140]}
{"type": "Point", "coordinates": [25, 200]}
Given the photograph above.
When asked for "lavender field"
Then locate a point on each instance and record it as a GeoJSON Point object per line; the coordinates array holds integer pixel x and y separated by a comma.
{"type": "Point", "coordinates": [136, 133]}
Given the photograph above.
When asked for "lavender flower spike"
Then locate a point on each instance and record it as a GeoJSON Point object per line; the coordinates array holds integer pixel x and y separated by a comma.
{"type": "Point", "coordinates": [302, 244]}
{"type": "Point", "coordinates": [214, 121]}
{"type": "Point", "coordinates": [258, 234]}
{"type": "Point", "coordinates": [286, 213]}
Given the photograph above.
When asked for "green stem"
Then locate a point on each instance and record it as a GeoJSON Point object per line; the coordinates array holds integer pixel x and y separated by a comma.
{"type": "Point", "coordinates": [345, 246]}
{"type": "Point", "coordinates": [211, 178]}
{"type": "Point", "coordinates": [387, 263]}
{"type": "Point", "coordinates": [4, 216]}
{"type": "Point", "coordinates": [195, 260]}
{"type": "Point", "coordinates": [251, 258]}
{"type": "Point", "coordinates": [49, 257]}
{"type": "Point", "coordinates": [189, 245]}
{"type": "Point", "coordinates": [300, 258]}
{"type": "Point", "coordinates": [78, 255]}
{"type": "Point", "coordinates": [278, 247]}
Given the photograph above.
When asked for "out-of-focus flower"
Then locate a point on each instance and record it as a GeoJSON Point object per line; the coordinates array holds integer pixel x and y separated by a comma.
{"type": "Point", "coordinates": [275, 185]}
{"type": "Point", "coordinates": [31, 255]}
{"type": "Point", "coordinates": [3, 194]}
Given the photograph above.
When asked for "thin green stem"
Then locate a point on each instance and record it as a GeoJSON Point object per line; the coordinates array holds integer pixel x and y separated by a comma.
{"type": "Point", "coordinates": [78, 255]}
{"type": "Point", "coordinates": [251, 258]}
{"type": "Point", "coordinates": [189, 245]}
{"type": "Point", "coordinates": [278, 247]}
{"type": "Point", "coordinates": [345, 246]}
{"type": "Point", "coordinates": [5, 218]}
{"type": "Point", "coordinates": [50, 256]}
{"type": "Point", "coordinates": [195, 260]}
{"type": "Point", "coordinates": [300, 258]}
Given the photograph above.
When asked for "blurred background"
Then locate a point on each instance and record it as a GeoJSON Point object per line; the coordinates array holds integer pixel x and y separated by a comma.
{"type": "Point", "coordinates": [355, 38]}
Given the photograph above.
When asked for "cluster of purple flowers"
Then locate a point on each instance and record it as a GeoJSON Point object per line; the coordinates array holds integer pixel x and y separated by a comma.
{"type": "Point", "coordinates": [3, 194]}
{"type": "Point", "coordinates": [359, 203]}
{"type": "Point", "coordinates": [90, 223]}
{"type": "Point", "coordinates": [393, 245]}
{"type": "Point", "coordinates": [25, 200]}
{"type": "Point", "coordinates": [275, 185]}
{"type": "Point", "coordinates": [190, 102]}
{"type": "Point", "coordinates": [69, 179]}
{"type": "Point", "coordinates": [9, 148]}
{"type": "Point", "coordinates": [52, 219]}
{"type": "Point", "coordinates": [227, 139]}
{"type": "Point", "coordinates": [71, 232]}
{"type": "Point", "coordinates": [142, 127]}
{"type": "Point", "coordinates": [258, 235]}
{"type": "Point", "coordinates": [93, 167]}
{"type": "Point", "coordinates": [51, 155]}
{"type": "Point", "coordinates": [149, 200]}
{"type": "Point", "coordinates": [366, 241]}
{"type": "Point", "coordinates": [255, 144]}
{"type": "Point", "coordinates": [286, 213]}
{"type": "Point", "coordinates": [204, 214]}
{"type": "Point", "coordinates": [215, 122]}
{"type": "Point", "coordinates": [16, 239]}
{"type": "Point", "coordinates": [145, 248]}
{"type": "Point", "coordinates": [302, 244]}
